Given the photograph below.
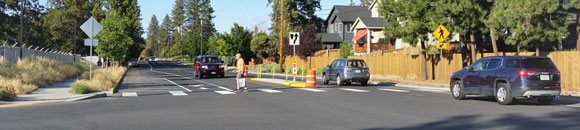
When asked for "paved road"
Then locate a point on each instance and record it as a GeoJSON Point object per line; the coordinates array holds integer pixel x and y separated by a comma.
{"type": "Point", "coordinates": [168, 97]}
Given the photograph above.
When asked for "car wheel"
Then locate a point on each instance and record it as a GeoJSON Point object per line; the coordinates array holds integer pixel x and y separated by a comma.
{"type": "Point", "coordinates": [364, 83]}
{"type": "Point", "coordinates": [457, 90]}
{"type": "Point", "coordinates": [324, 79]}
{"type": "Point", "coordinates": [545, 100]}
{"type": "Point", "coordinates": [338, 81]}
{"type": "Point", "coordinates": [221, 76]}
{"type": "Point", "coordinates": [199, 76]}
{"type": "Point", "coordinates": [348, 83]}
{"type": "Point", "coordinates": [503, 95]}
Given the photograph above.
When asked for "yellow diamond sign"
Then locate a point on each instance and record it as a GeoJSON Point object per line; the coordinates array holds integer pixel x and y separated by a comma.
{"type": "Point", "coordinates": [441, 33]}
{"type": "Point", "coordinates": [441, 45]}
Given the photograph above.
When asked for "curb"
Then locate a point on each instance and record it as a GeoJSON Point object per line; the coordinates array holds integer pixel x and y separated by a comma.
{"type": "Point", "coordinates": [115, 88]}
{"type": "Point", "coordinates": [289, 84]}
{"type": "Point", "coordinates": [87, 96]}
{"type": "Point", "coordinates": [28, 103]}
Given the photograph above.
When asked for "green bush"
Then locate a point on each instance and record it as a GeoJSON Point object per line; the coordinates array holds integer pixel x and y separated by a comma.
{"type": "Point", "coordinates": [7, 93]}
{"type": "Point", "coordinates": [268, 68]}
{"type": "Point", "coordinates": [80, 88]}
{"type": "Point", "coordinates": [345, 49]}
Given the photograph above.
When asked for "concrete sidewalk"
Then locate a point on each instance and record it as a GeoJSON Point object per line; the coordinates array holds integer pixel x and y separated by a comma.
{"type": "Point", "coordinates": [54, 93]}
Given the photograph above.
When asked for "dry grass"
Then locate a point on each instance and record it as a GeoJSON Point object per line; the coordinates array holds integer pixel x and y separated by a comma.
{"type": "Point", "coordinates": [19, 87]}
{"type": "Point", "coordinates": [103, 78]}
{"type": "Point", "coordinates": [33, 72]}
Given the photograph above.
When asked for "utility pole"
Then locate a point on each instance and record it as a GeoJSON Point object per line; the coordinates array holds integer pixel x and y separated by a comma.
{"type": "Point", "coordinates": [201, 35]}
{"type": "Point", "coordinates": [22, 6]}
{"type": "Point", "coordinates": [158, 49]}
{"type": "Point", "coordinates": [281, 33]}
{"type": "Point", "coordinates": [74, 42]}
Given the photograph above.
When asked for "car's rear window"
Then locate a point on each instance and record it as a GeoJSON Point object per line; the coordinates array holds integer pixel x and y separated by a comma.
{"type": "Point", "coordinates": [537, 63]}
{"type": "Point", "coordinates": [356, 63]}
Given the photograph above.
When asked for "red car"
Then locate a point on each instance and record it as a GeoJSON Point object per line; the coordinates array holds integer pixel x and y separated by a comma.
{"type": "Point", "coordinates": [208, 66]}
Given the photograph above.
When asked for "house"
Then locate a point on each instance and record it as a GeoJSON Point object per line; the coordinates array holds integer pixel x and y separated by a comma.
{"type": "Point", "coordinates": [369, 37]}
{"type": "Point", "coordinates": [339, 22]}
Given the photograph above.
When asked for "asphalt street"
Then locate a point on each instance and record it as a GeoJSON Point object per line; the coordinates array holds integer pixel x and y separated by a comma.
{"type": "Point", "coordinates": [167, 96]}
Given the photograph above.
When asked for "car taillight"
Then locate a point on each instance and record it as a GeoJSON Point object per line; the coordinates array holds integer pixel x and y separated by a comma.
{"type": "Point", "coordinates": [557, 72]}
{"type": "Point", "coordinates": [524, 73]}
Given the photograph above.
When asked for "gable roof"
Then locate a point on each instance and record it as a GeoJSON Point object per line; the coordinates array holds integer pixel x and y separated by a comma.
{"type": "Point", "coordinates": [329, 37]}
{"type": "Point", "coordinates": [370, 22]}
{"type": "Point", "coordinates": [348, 13]}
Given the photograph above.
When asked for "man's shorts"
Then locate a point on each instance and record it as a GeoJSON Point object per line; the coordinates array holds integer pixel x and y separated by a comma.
{"type": "Point", "coordinates": [239, 75]}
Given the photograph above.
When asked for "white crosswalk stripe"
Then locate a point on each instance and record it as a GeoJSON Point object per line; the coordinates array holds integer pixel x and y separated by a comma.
{"type": "Point", "coordinates": [433, 90]}
{"type": "Point", "coordinates": [354, 90]}
{"type": "Point", "coordinates": [225, 92]}
{"type": "Point", "coordinates": [270, 90]}
{"type": "Point", "coordinates": [129, 94]}
{"type": "Point", "coordinates": [202, 88]}
{"type": "Point", "coordinates": [395, 90]}
{"type": "Point", "coordinates": [313, 89]}
{"type": "Point", "coordinates": [178, 93]}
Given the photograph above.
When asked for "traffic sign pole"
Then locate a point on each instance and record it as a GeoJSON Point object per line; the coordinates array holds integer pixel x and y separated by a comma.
{"type": "Point", "coordinates": [294, 58]}
{"type": "Point", "coordinates": [441, 64]}
{"type": "Point", "coordinates": [91, 52]}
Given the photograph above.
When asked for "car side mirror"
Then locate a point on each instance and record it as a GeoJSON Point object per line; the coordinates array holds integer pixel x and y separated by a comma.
{"type": "Point", "coordinates": [467, 68]}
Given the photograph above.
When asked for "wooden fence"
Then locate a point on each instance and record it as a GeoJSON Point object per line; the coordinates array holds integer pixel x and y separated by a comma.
{"type": "Point", "coordinates": [408, 67]}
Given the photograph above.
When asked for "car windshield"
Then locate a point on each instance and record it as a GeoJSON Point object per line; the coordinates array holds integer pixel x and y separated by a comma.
{"type": "Point", "coordinates": [133, 59]}
{"type": "Point", "coordinates": [538, 63]}
{"type": "Point", "coordinates": [356, 63]}
{"type": "Point", "coordinates": [209, 60]}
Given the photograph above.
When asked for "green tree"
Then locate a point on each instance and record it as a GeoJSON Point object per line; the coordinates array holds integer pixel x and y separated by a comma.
{"type": "Point", "coordinates": [178, 19]}
{"type": "Point", "coordinates": [165, 32]}
{"type": "Point", "coordinates": [531, 22]}
{"type": "Point", "coordinates": [114, 40]}
{"type": "Point", "coordinates": [411, 21]}
{"type": "Point", "coordinates": [152, 37]}
{"type": "Point", "coordinates": [575, 4]}
{"type": "Point", "coordinates": [309, 42]}
{"type": "Point", "coordinates": [61, 25]}
{"type": "Point", "coordinates": [262, 46]}
{"type": "Point", "coordinates": [130, 9]}
{"type": "Point", "coordinates": [345, 49]}
{"type": "Point", "coordinates": [366, 2]}
{"type": "Point", "coordinates": [467, 19]}
{"type": "Point", "coordinates": [240, 40]}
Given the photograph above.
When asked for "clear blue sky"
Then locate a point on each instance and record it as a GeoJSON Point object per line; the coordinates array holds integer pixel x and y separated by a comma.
{"type": "Point", "coordinates": [247, 13]}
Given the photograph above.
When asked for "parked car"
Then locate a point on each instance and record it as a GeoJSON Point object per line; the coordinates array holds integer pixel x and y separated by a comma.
{"type": "Point", "coordinates": [152, 59]}
{"type": "Point", "coordinates": [506, 78]}
{"type": "Point", "coordinates": [208, 66]}
{"type": "Point", "coordinates": [133, 62]}
{"type": "Point", "coordinates": [346, 71]}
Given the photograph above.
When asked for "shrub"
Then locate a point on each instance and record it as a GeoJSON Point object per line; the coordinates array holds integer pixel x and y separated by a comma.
{"type": "Point", "coordinates": [80, 87]}
{"type": "Point", "coordinates": [268, 68]}
{"type": "Point", "coordinates": [18, 86]}
{"type": "Point", "coordinates": [345, 49]}
{"type": "Point", "coordinates": [104, 78]}
{"type": "Point", "coordinates": [7, 93]}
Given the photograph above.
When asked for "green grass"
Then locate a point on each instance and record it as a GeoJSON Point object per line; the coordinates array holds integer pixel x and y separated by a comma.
{"type": "Point", "coordinates": [187, 62]}
{"type": "Point", "coordinates": [103, 78]}
{"type": "Point", "coordinates": [7, 93]}
{"type": "Point", "coordinates": [80, 88]}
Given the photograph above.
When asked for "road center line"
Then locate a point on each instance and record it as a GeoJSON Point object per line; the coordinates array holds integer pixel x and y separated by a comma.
{"type": "Point", "coordinates": [177, 84]}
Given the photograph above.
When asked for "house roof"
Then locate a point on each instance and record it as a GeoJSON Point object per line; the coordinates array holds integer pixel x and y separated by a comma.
{"type": "Point", "coordinates": [349, 13]}
{"type": "Point", "coordinates": [370, 22]}
{"type": "Point", "coordinates": [329, 37]}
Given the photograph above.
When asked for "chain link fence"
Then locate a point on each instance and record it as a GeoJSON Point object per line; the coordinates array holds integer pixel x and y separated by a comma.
{"type": "Point", "coordinates": [11, 54]}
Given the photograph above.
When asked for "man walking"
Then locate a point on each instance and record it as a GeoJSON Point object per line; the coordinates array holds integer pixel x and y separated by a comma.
{"type": "Point", "coordinates": [240, 80]}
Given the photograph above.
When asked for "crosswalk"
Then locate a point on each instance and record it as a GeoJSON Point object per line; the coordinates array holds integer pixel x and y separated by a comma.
{"type": "Point", "coordinates": [227, 91]}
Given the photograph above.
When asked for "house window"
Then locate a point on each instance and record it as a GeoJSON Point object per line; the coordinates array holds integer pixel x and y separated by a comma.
{"type": "Point", "coordinates": [348, 27]}
{"type": "Point", "coordinates": [340, 28]}
{"type": "Point", "coordinates": [331, 28]}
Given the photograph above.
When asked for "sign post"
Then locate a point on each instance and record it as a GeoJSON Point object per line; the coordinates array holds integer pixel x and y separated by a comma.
{"type": "Point", "coordinates": [294, 39]}
{"type": "Point", "coordinates": [91, 27]}
{"type": "Point", "coordinates": [441, 34]}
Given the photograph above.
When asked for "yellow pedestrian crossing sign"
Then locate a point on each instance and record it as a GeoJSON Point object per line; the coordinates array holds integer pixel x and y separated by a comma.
{"type": "Point", "coordinates": [441, 33]}
{"type": "Point", "coordinates": [441, 45]}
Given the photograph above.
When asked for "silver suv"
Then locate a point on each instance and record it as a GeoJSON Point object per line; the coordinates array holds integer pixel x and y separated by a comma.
{"type": "Point", "coordinates": [346, 71]}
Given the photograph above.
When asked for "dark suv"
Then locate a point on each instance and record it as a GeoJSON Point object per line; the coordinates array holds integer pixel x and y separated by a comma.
{"type": "Point", "coordinates": [208, 66]}
{"type": "Point", "coordinates": [345, 71]}
{"type": "Point", "coordinates": [507, 78]}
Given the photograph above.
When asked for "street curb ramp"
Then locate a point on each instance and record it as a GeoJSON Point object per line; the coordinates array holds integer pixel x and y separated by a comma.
{"type": "Point", "coordinates": [87, 96]}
